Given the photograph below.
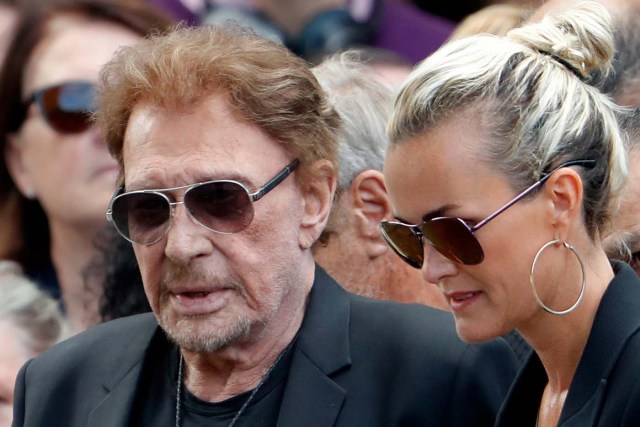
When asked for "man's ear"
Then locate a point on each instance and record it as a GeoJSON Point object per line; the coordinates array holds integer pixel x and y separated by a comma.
{"type": "Point", "coordinates": [564, 191]}
{"type": "Point", "coordinates": [370, 205]}
{"type": "Point", "coordinates": [318, 197]}
{"type": "Point", "coordinates": [14, 158]}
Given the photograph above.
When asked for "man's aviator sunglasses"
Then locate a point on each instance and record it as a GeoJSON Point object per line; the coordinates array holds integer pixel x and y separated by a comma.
{"type": "Point", "coordinates": [451, 236]}
{"type": "Point", "coordinates": [66, 107]}
{"type": "Point", "coordinates": [223, 206]}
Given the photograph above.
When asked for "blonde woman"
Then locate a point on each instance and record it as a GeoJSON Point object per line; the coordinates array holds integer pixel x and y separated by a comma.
{"type": "Point", "coordinates": [504, 168]}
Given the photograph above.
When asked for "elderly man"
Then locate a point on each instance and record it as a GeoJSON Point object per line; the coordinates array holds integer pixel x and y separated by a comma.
{"type": "Point", "coordinates": [351, 248]}
{"type": "Point", "coordinates": [228, 151]}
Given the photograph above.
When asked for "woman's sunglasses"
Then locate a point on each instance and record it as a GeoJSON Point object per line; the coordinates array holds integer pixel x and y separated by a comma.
{"type": "Point", "coordinates": [223, 206]}
{"type": "Point", "coordinates": [66, 107]}
{"type": "Point", "coordinates": [451, 236]}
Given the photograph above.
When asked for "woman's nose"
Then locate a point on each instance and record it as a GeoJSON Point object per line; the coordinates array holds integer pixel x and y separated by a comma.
{"type": "Point", "coordinates": [436, 266]}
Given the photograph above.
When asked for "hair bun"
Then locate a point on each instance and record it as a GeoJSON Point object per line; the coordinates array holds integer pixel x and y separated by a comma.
{"type": "Point", "coordinates": [579, 38]}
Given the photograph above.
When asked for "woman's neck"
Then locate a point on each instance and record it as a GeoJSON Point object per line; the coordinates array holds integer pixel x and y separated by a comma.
{"type": "Point", "coordinates": [72, 250]}
{"type": "Point", "coordinates": [559, 341]}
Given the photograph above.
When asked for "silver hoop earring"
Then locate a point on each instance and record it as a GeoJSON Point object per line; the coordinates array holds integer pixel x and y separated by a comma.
{"type": "Point", "coordinates": [533, 284]}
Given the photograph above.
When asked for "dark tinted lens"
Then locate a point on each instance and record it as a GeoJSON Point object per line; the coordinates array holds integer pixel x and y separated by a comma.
{"type": "Point", "coordinates": [453, 239]}
{"type": "Point", "coordinates": [68, 107]}
{"type": "Point", "coordinates": [222, 206]}
{"type": "Point", "coordinates": [404, 242]}
{"type": "Point", "coordinates": [141, 217]}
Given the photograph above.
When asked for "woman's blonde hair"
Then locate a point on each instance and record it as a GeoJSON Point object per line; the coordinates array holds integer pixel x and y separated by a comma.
{"type": "Point", "coordinates": [531, 89]}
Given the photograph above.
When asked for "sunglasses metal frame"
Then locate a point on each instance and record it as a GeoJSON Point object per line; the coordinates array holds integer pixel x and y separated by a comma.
{"type": "Point", "coordinates": [38, 95]}
{"type": "Point", "coordinates": [253, 197]}
{"type": "Point", "coordinates": [417, 229]}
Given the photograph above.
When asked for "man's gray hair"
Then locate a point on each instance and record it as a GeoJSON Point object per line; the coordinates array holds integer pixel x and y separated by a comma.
{"type": "Point", "coordinates": [364, 105]}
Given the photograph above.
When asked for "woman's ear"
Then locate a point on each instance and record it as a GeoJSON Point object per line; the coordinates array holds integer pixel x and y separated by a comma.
{"type": "Point", "coordinates": [14, 158]}
{"type": "Point", "coordinates": [564, 191]}
{"type": "Point", "coordinates": [318, 196]}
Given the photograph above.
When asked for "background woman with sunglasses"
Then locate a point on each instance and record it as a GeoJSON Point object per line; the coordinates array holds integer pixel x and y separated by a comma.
{"type": "Point", "coordinates": [510, 164]}
{"type": "Point", "coordinates": [50, 151]}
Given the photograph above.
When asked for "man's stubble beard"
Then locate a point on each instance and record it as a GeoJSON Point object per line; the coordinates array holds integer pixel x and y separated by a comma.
{"type": "Point", "coordinates": [195, 333]}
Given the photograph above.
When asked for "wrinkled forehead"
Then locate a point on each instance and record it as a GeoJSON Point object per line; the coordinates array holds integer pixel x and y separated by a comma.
{"type": "Point", "coordinates": [166, 147]}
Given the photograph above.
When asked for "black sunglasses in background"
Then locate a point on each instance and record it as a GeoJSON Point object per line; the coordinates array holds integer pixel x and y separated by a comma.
{"type": "Point", "coordinates": [451, 236]}
{"type": "Point", "coordinates": [67, 106]}
{"type": "Point", "coordinates": [223, 206]}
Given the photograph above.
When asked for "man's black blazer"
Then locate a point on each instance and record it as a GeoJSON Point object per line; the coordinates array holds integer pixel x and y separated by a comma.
{"type": "Point", "coordinates": [356, 362]}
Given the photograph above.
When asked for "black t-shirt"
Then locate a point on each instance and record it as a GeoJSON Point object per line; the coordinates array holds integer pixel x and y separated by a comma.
{"type": "Point", "coordinates": [155, 403]}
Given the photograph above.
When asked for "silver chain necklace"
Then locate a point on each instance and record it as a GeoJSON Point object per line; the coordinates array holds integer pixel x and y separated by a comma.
{"type": "Point", "coordinates": [246, 402]}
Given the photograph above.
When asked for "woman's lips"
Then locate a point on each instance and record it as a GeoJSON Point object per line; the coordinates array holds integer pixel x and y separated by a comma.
{"type": "Point", "coordinates": [462, 299]}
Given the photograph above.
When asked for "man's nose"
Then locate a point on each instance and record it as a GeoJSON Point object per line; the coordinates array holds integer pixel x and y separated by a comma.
{"type": "Point", "coordinates": [185, 239]}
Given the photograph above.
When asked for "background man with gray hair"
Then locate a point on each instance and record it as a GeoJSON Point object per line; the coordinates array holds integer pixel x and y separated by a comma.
{"type": "Point", "coordinates": [351, 248]}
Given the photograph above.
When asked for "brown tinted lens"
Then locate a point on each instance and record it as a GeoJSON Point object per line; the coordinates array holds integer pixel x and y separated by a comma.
{"type": "Point", "coordinates": [141, 217]}
{"type": "Point", "coordinates": [222, 206]}
{"type": "Point", "coordinates": [68, 107]}
{"type": "Point", "coordinates": [453, 239]}
{"type": "Point", "coordinates": [404, 241]}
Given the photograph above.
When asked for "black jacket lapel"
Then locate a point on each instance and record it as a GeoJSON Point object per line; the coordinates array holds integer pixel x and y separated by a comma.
{"type": "Point", "coordinates": [122, 384]}
{"type": "Point", "coordinates": [311, 397]}
{"type": "Point", "coordinates": [115, 409]}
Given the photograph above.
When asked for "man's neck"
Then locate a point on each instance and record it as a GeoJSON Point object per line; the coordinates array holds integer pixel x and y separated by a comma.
{"type": "Point", "coordinates": [214, 377]}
